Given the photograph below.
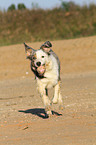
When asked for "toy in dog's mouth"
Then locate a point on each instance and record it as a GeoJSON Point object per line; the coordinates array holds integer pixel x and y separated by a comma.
{"type": "Point", "coordinates": [41, 70]}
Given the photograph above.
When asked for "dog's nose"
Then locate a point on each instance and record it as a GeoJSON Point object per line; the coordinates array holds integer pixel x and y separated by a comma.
{"type": "Point", "coordinates": [38, 63]}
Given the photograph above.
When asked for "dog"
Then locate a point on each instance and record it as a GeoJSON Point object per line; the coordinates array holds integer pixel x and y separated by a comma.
{"type": "Point", "coordinates": [45, 65]}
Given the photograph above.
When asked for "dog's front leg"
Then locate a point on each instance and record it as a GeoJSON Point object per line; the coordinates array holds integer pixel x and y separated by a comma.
{"type": "Point", "coordinates": [57, 96]}
{"type": "Point", "coordinates": [44, 95]}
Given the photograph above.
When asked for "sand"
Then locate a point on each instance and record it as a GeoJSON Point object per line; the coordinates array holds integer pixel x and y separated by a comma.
{"type": "Point", "coordinates": [22, 116]}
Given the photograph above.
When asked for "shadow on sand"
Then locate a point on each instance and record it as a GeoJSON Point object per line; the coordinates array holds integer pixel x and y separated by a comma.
{"type": "Point", "coordinates": [40, 112]}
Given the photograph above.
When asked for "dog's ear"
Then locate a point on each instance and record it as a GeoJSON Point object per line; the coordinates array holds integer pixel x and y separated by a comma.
{"type": "Point", "coordinates": [29, 51]}
{"type": "Point", "coordinates": [46, 46]}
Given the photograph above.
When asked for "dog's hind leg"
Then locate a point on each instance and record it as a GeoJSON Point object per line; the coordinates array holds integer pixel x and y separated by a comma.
{"type": "Point", "coordinates": [57, 96]}
{"type": "Point", "coordinates": [44, 95]}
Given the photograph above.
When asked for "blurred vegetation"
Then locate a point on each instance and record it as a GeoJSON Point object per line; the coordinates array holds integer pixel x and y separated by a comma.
{"type": "Point", "coordinates": [64, 22]}
{"type": "Point", "coordinates": [12, 7]}
{"type": "Point", "coordinates": [21, 6]}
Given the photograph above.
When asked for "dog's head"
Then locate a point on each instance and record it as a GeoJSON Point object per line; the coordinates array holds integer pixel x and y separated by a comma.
{"type": "Point", "coordinates": [39, 58]}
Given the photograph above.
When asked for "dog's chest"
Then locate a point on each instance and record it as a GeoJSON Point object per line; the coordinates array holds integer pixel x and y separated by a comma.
{"type": "Point", "coordinates": [52, 73]}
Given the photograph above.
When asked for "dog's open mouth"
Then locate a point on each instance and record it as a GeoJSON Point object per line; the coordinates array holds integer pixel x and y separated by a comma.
{"type": "Point", "coordinates": [41, 70]}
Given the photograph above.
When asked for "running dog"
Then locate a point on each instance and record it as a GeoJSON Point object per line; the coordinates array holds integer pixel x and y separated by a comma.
{"type": "Point", "coordinates": [46, 67]}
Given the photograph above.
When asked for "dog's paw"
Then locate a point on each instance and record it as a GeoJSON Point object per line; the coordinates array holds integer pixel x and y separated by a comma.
{"type": "Point", "coordinates": [54, 101]}
{"type": "Point", "coordinates": [49, 112]}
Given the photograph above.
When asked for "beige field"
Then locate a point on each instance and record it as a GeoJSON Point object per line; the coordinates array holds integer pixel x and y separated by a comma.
{"type": "Point", "coordinates": [22, 119]}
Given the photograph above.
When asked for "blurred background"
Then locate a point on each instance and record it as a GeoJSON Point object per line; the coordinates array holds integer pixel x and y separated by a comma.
{"type": "Point", "coordinates": [41, 20]}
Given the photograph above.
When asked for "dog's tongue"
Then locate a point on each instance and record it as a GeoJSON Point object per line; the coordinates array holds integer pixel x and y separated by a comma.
{"type": "Point", "coordinates": [41, 69]}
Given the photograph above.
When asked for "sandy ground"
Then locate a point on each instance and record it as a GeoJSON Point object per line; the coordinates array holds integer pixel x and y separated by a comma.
{"type": "Point", "coordinates": [22, 115]}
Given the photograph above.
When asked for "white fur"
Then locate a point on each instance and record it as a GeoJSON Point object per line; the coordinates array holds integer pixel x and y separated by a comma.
{"type": "Point", "coordinates": [51, 79]}
{"type": "Point", "coordinates": [51, 73]}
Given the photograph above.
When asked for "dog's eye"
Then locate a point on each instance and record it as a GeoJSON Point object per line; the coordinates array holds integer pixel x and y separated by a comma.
{"type": "Point", "coordinates": [42, 56]}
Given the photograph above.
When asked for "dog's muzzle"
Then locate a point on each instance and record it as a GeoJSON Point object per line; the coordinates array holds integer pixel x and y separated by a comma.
{"type": "Point", "coordinates": [39, 67]}
{"type": "Point", "coordinates": [41, 70]}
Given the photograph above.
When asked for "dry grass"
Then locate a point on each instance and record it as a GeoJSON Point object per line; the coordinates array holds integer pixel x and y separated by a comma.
{"type": "Point", "coordinates": [40, 25]}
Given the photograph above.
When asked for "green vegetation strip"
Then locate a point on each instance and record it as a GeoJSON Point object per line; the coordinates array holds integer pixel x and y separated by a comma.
{"type": "Point", "coordinates": [64, 22]}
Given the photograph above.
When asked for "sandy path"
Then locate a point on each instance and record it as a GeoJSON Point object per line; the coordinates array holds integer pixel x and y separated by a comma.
{"type": "Point", "coordinates": [22, 118]}
{"type": "Point", "coordinates": [22, 114]}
